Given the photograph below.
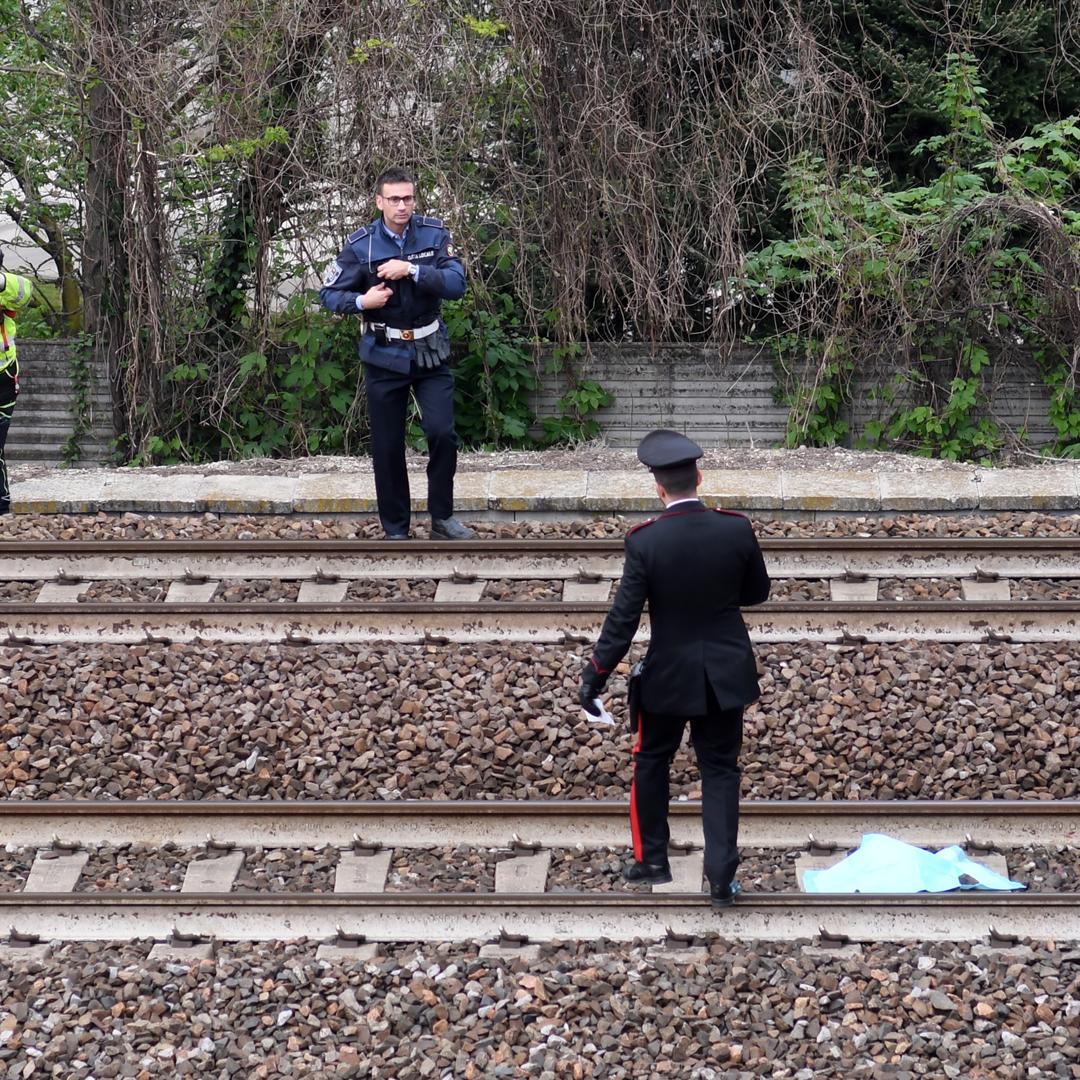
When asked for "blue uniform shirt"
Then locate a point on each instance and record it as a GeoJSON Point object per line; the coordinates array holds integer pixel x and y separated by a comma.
{"type": "Point", "coordinates": [440, 276]}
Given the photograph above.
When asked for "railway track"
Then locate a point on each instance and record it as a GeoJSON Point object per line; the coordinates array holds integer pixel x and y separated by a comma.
{"type": "Point", "coordinates": [542, 622]}
{"type": "Point", "coordinates": [553, 823]}
{"type": "Point", "coordinates": [585, 569]}
{"type": "Point", "coordinates": [196, 569]}
{"type": "Point", "coordinates": [519, 908]}
{"type": "Point", "coordinates": [448, 917]}
{"type": "Point", "coordinates": [168, 560]}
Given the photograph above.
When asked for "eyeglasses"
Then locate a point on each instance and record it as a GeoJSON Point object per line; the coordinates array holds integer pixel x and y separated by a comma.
{"type": "Point", "coordinates": [399, 200]}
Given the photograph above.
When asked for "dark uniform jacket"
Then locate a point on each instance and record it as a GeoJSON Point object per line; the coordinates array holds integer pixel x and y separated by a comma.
{"type": "Point", "coordinates": [414, 303]}
{"type": "Point", "coordinates": [695, 567]}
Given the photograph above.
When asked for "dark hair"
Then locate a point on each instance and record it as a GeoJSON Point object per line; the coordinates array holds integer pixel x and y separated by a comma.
{"type": "Point", "coordinates": [678, 480]}
{"type": "Point", "coordinates": [394, 175]}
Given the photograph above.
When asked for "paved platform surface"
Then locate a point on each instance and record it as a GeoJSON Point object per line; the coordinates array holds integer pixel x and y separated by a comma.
{"type": "Point", "coordinates": [518, 487]}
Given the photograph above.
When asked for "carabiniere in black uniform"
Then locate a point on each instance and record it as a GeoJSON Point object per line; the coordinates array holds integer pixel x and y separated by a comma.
{"type": "Point", "coordinates": [694, 567]}
{"type": "Point", "coordinates": [405, 347]}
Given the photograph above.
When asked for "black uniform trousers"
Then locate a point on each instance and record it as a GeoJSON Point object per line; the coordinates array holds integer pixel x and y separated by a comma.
{"type": "Point", "coordinates": [388, 399]}
{"type": "Point", "coordinates": [717, 739]}
{"type": "Point", "coordinates": [9, 391]}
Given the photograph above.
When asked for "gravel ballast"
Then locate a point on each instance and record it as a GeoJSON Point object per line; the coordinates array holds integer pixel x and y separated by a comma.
{"type": "Point", "coordinates": [422, 1011]}
{"type": "Point", "coordinates": [924, 721]}
{"type": "Point", "coordinates": [914, 720]}
{"type": "Point", "coordinates": [133, 526]}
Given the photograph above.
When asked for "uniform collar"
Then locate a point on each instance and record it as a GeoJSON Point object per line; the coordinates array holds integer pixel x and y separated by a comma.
{"type": "Point", "coordinates": [401, 240]}
{"type": "Point", "coordinates": [685, 504]}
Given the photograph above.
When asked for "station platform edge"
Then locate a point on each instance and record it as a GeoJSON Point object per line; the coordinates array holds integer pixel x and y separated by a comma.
{"type": "Point", "coordinates": [522, 493]}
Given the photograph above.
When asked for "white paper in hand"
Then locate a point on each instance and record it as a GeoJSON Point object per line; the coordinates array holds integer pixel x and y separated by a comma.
{"type": "Point", "coordinates": [604, 718]}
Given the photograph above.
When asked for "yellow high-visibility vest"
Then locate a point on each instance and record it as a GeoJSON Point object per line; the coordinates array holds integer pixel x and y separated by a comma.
{"type": "Point", "coordinates": [14, 295]}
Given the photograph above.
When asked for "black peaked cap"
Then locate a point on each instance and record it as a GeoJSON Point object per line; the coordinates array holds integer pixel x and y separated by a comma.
{"type": "Point", "coordinates": [665, 449]}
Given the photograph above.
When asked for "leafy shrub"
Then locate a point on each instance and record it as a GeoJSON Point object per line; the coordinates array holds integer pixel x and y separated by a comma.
{"type": "Point", "coordinates": [940, 282]}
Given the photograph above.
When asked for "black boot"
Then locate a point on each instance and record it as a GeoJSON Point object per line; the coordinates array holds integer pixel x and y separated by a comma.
{"type": "Point", "coordinates": [724, 895]}
{"type": "Point", "coordinates": [640, 873]}
{"type": "Point", "coordinates": [450, 529]}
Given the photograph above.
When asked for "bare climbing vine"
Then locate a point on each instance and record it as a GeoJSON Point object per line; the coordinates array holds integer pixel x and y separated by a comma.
{"type": "Point", "coordinates": [610, 170]}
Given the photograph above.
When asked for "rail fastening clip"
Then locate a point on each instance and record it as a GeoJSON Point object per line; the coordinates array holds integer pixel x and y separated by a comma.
{"type": "Point", "coordinates": [360, 846]}
{"type": "Point", "coordinates": [977, 847]}
{"type": "Point", "coordinates": [997, 940]}
{"type": "Point", "coordinates": [60, 847]}
{"type": "Point", "coordinates": [826, 939]}
{"type": "Point", "coordinates": [506, 940]}
{"type": "Point", "coordinates": [179, 940]}
{"type": "Point", "coordinates": [673, 940]}
{"type": "Point", "coordinates": [814, 846]}
{"type": "Point", "coordinates": [347, 940]}
{"type": "Point", "coordinates": [16, 939]}
{"type": "Point", "coordinates": [532, 846]}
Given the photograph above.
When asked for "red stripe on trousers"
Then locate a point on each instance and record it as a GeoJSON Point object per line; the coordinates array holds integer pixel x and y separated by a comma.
{"type": "Point", "coordinates": [635, 830]}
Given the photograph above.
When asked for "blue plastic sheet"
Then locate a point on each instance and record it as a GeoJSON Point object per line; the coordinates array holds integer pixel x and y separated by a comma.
{"type": "Point", "coordinates": [885, 865]}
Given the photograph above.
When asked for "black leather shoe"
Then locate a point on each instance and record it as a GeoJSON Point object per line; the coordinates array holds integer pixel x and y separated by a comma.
{"type": "Point", "coordinates": [641, 873]}
{"type": "Point", "coordinates": [450, 529]}
{"type": "Point", "coordinates": [724, 895]}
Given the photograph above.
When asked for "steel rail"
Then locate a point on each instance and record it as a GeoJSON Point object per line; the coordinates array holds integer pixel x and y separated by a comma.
{"type": "Point", "coordinates": [407, 917]}
{"type": "Point", "coordinates": [547, 823]}
{"type": "Point", "coordinates": [909, 557]}
{"type": "Point", "coordinates": [542, 622]}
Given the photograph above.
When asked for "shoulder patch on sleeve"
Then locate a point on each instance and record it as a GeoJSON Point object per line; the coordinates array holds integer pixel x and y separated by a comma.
{"type": "Point", "coordinates": [359, 234]}
{"type": "Point", "coordinates": [640, 525]}
{"type": "Point", "coordinates": [332, 273]}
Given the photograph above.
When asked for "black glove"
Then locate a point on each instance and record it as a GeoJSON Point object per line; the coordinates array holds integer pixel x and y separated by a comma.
{"type": "Point", "coordinates": [592, 686]}
{"type": "Point", "coordinates": [432, 350]}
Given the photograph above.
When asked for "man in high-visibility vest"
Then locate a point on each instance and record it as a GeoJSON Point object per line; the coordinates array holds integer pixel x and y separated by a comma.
{"type": "Point", "coordinates": [14, 294]}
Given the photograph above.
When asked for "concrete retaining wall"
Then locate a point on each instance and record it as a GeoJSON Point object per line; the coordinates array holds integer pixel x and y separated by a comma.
{"type": "Point", "coordinates": [732, 402]}
{"type": "Point", "coordinates": [720, 402]}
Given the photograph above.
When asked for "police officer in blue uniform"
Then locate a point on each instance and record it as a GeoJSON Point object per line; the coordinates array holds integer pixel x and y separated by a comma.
{"type": "Point", "coordinates": [695, 567]}
{"type": "Point", "coordinates": [395, 273]}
